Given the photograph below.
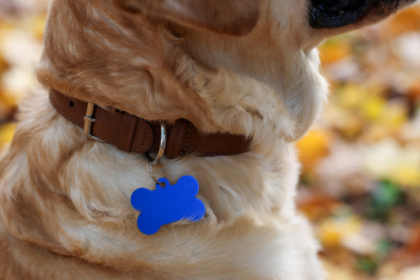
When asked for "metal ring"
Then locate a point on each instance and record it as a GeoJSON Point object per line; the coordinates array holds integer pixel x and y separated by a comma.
{"type": "Point", "coordinates": [152, 162]}
{"type": "Point", "coordinates": [162, 147]}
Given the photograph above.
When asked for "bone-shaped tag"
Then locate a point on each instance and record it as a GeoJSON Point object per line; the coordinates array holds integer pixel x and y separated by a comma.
{"type": "Point", "coordinates": [167, 205]}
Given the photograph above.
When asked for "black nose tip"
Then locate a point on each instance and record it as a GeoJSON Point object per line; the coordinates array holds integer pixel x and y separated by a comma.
{"type": "Point", "coordinates": [334, 14]}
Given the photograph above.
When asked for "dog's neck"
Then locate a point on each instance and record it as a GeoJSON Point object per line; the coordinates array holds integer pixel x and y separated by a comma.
{"type": "Point", "coordinates": [71, 195]}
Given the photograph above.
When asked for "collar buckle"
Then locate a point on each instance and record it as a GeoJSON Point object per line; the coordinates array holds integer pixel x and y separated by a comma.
{"type": "Point", "coordinates": [89, 120]}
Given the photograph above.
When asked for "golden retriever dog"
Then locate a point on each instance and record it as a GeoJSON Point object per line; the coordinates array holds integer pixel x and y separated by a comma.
{"type": "Point", "coordinates": [242, 67]}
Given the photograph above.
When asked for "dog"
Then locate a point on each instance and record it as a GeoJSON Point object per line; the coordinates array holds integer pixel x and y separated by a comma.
{"type": "Point", "coordinates": [239, 67]}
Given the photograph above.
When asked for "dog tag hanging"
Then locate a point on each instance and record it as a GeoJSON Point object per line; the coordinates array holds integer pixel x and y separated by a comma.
{"type": "Point", "coordinates": [168, 203]}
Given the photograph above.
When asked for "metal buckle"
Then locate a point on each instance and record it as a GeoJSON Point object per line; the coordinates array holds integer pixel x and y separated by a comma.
{"type": "Point", "coordinates": [89, 120]}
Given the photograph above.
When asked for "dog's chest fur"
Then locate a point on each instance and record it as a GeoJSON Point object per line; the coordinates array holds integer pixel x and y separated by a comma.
{"type": "Point", "coordinates": [56, 196]}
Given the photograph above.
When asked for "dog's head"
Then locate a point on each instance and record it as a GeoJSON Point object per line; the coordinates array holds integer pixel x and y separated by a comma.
{"type": "Point", "coordinates": [224, 65]}
{"type": "Point", "coordinates": [265, 39]}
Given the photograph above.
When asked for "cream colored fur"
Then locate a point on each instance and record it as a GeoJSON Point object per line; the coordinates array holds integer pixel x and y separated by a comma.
{"type": "Point", "coordinates": [65, 208]}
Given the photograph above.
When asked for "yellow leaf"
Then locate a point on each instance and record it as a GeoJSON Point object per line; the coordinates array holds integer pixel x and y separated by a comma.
{"type": "Point", "coordinates": [408, 175]}
{"type": "Point", "coordinates": [332, 232]}
{"type": "Point", "coordinates": [394, 114]}
{"type": "Point", "coordinates": [313, 147]}
{"type": "Point", "coordinates": [39, 25]}
{"type": "Point", "coordinates": [372, 107]}
{"type": "Point", "coordinates": [333, 50]}
{"type": "Point", "coordinates": [8, 99]}
{"type": "Point", "coordinates": [6, 133]}
{"type": "Point", "coordinates": [351, 96]}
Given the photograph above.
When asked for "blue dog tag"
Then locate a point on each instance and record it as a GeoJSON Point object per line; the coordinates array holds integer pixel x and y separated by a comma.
{"type": "Point", "coordinates": [168, 205]}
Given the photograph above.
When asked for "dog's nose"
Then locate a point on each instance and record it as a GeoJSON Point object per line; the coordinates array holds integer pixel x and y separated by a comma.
{"type": "Point", "coordinates": [334, 14]}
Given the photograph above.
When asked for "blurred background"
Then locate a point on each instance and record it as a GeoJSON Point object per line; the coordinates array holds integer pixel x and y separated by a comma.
{"type": "Point", "coordinates": [360, 183]}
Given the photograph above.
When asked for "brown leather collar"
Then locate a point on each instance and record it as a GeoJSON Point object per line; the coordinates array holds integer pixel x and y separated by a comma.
{"type": "Point", "coordinates": [133, 134]}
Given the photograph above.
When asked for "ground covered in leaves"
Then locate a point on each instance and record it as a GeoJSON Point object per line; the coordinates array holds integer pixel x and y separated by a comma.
{"type": "Point", "coordinates": [360, 183]}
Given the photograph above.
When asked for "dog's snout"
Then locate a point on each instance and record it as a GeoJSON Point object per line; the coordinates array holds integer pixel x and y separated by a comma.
{"type": "Point", "coordinates": [335, 14]}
